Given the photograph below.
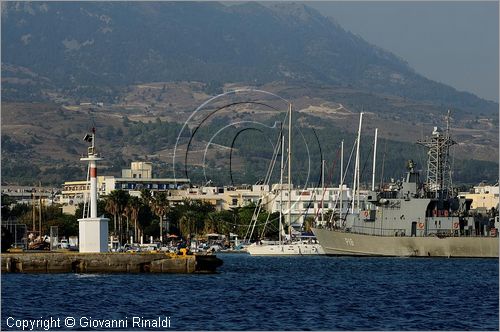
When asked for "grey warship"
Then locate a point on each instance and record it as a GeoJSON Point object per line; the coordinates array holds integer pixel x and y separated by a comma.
{"type": "Point", "coordinates": [414, 219]}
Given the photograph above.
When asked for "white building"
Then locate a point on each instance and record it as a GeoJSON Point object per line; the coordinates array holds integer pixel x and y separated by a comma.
{"type": "Point", "coordinates": [309, 202]}
{"type": "Point", "coordinates": [138, 176]}
{"type": "Point", "coordinates": [223, 198]}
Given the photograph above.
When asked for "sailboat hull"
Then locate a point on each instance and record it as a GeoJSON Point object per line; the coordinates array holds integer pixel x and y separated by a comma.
{"type": "Point", "coordinates": [294, 249]}
{"type": "Point", "coordinates": [343, 243]}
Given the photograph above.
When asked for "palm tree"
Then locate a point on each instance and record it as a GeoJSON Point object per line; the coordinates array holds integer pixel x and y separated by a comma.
{"type": "Point", "coordinates": [127, 213]}
{"type": "Point", "coordinates": [146, 196]}
{"type": "Point", "coordinates": [134, 205]}
{"type": "Point", "coordinates": [112, 206]}
{"type": "Point", "coordinates": [115, 204]}
{"type": "Point", "coordinates": [212, 223]}
{"type": "Point", "coordinates": [160, 206]}
{"type": "Point", "coordinates": [187, 224]}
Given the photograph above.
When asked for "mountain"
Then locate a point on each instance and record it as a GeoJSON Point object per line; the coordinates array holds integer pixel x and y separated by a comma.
{"type": "Point", "coordinates": [91, 48]}
{"type": "Point", "coordinates": [153, 63]}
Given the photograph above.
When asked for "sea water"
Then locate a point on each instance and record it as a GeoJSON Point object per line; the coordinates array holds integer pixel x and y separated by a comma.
{"type": "Point", "coordinates": [265, 293]}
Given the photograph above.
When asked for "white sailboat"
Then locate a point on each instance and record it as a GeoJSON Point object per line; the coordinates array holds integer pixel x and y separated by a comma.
{"type": "Point", "coordinates": [289, 246]}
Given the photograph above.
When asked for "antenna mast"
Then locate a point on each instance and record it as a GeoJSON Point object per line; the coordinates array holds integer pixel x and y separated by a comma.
{"type": "Point", "coordinates": [438, 161]}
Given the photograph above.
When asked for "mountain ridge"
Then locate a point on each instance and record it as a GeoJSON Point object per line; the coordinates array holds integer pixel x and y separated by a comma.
{"type": "Point", "coordinates": [109, 44]}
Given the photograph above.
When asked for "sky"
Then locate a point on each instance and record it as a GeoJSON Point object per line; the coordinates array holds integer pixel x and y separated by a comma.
{"type": "Point", "coordinates": [452, 42]}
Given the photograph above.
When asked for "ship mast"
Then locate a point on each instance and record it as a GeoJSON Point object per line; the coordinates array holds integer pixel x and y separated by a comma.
{"type": "Point", "coordinates": [281, 189]}
{"type": "Point", "coordinates": [290, 171]}
{"type": "Point", "coordinates": [355, 197]}
{"type": "Point", "coordinates": [341, 177]}
{"type": "Point", "coordinates": [374, 159]}
{"type": "Point", "coordinates": [438, 182]}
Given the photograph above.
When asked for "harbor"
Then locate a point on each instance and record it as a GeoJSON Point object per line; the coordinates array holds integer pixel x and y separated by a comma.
{"type": "Point", "coordinates": [93, 254]}
{"type": "Point", "coordinates": [406, 217]}
{"type": "Point", "coordinates": [250, 166]}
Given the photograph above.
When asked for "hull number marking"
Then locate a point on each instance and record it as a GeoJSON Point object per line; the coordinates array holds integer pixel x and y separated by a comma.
{"type": "Point", "coordinates": [349, 241]}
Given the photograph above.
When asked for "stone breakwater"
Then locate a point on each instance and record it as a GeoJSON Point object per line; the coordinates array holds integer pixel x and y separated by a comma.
{"type": "Point", "coordinates": [69, 262]}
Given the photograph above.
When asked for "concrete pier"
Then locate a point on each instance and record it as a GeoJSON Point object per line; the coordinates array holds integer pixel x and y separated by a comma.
{"type": "Point", "coordinates": [73, 262]}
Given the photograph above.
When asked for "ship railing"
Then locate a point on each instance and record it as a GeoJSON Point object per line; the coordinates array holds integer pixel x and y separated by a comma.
{"type": "Point", "coordinates": [438, 232]}
{"type": "Point", "coordinates": [461, 232]}
{"type": "Point", "coordinates": [377, 231]}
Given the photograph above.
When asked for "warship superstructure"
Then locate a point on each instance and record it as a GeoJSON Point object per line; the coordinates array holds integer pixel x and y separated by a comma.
{"type": "Point", "coordinates": [410, 218]}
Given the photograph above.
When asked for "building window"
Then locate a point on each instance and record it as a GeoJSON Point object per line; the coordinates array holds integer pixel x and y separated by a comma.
{"type": "Point", "coordinates": [235, 201]}
{"type": "Point", "coordinates": [307, 205]}
{"type": "Point", "coordinates": [133, 176]}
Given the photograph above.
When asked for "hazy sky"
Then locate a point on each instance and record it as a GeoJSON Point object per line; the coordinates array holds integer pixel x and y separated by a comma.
{"type": "Point", "coordinates": [453, 42]}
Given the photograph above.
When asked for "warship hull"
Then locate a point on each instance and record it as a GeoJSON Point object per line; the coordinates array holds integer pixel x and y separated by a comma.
{"type": "Point", "coordinates": [335, 242]}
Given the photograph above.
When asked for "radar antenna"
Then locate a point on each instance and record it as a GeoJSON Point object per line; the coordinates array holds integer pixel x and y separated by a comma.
{"type": "Point", "coordinates": [438, 181]}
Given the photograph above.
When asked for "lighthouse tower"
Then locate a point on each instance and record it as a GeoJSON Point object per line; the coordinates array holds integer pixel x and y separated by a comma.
{"type": "Point", "coordinates": [93, 231]}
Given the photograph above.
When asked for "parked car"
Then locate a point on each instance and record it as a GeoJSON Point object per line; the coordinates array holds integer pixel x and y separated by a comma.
{"type": "Point", "coordinates": [63, 244]}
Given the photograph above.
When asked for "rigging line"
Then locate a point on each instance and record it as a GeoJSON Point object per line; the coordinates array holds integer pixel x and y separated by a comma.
{"type": "Point", "coordinates": [207, 117]}
{"type": "Point", "coordinates": [231, 150]}
{"type": "Point", "coordinates": [244, 225]}
{"type": "Point", "coordinates": [202, 106]}
{"type": "Point", "coordinates": [331, 174]}
{"type": "Point", "coordinates": [270, 169]}
{"type": "Point", "coordinates": [366, 159]}
{"type": "Point", "coordinates": [258, 208]}
{"type": "Point", "coordinates": [219, 131]}
{"type": "Point", "coordinates": [383, 165]}
{"type": "Point", "coordinates": [308, 171]}
{"type": "Point", "coordinates": [362, 171]}
{"type": "Point", "coordinates": [345, 175]}
{"type": "Point", "coordinates": [349, 204]}
{"type": "Point", "coordinates": [320, 174]}
{"type": "Point", "coordinates": [265, 224]}
{"type": "Point", "coordinates": [321, 157]}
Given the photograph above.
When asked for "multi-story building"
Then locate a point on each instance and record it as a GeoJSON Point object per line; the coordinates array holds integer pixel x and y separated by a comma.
{"type": "Point", "coordinates": [484, 197]}
{"type": "Point", "coordinates": [138, 176]}
{"type": "Point", "coordinates": [29, 194]}
{"type": "Point", "coordinates": [223, 198]}
{"type": "Point", "coordinates": [309, 202]}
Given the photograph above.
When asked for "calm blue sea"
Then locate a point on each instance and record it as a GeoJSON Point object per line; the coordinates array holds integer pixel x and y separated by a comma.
{"type": "Point", "coordinates": [273, 293]}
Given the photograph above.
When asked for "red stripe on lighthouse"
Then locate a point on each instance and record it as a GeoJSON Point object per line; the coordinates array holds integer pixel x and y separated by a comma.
{"type": "Point", "coordinates": [93, 172]}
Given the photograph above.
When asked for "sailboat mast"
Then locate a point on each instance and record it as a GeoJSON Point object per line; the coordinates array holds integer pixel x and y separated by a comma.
{"type": "Point", "coordinates": [40, 208]}
{"type": "Point", "coordinates": [374, 159]}
{"type": "Point", "coordinates": [281, 187]}
{"type": "Point", "coordinates": [341, 176]}
{"type": "Point", "coordinates": [323, 190]}
{"type": "Point", "coordinates": [290, 170]}
{"type": "Point", "coordinates": [356, 168]}
{"type": "Point", "coordinates": [33, 215]}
